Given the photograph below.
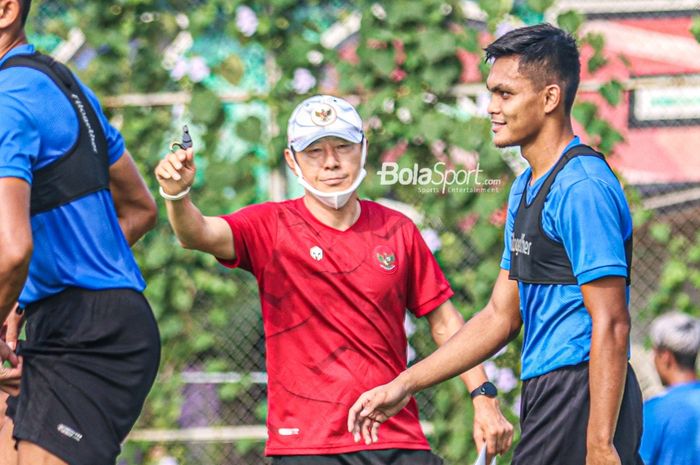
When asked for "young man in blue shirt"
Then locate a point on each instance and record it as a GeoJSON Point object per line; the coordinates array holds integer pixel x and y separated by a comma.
{"type": "Point", "coordinates": [672, 420]}
{"type": "Point", "coordinates": [72, 204]}
{"type": "Point", "coordinates": [564, 275]}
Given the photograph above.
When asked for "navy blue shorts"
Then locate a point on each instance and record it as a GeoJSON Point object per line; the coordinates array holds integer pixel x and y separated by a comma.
{"type": "Point", "coordinates": [554, 419]}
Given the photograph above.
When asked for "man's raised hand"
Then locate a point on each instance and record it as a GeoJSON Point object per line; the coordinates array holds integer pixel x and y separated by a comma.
{"type": "Point", "coordinates": [175, 172]}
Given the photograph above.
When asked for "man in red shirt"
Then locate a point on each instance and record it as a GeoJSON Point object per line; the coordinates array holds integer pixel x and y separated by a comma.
{"type": "Point", "coordinates": [336, 275]}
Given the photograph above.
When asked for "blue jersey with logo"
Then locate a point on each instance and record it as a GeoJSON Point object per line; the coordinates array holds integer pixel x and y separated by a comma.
{"type": "Point", "coordinates": [671, 434]}
{"type": "Point", "coordinates": [586, 211]}
{"type": "Point", "coordinates": [79, 244]}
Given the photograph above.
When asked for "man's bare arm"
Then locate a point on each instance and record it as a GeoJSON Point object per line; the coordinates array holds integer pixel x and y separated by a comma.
{"type": "Point", "coordinates": [605, 300]}
{"type": "Point", "coordinates": [175, 174]}
{"type": "Point", "coordinates": [482, 336]}
{"type": "Point", "coordinates": [490, 426]}
{"type": "Point", "coordinates": [15, 250]}
{"type": "Point", "coordinates": [15, 241]}
{"type": "Point", "coordinates": [136, 209]}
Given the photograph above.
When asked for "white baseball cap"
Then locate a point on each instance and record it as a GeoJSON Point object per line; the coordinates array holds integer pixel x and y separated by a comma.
{"type": "Point", "coordinates": [323, 116]}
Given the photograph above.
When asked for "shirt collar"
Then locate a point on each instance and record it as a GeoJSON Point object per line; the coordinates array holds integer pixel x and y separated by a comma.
{"type": "Point", "coordinates": [574, 142]}
{"type": "Point", "coordinates": [24, 49]}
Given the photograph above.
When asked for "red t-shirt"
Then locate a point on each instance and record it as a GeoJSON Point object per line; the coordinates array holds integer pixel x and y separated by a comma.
{"type": "Point", "coordinates": [333, 306]}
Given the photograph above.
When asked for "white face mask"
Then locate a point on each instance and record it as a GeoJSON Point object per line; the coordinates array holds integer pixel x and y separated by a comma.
{"type": "Point", "coordinates": [336, 200]}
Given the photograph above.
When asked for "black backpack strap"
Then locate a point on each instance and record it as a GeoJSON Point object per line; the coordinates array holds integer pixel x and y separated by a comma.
{"type": "Point", "coordinates": [585, 150]}
{"type": "Point", "coordinates": [575, 151]}
{"type": "Point", "coordinates": [84, 169]}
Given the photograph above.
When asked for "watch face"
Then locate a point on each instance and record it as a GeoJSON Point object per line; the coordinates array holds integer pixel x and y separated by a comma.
{"type": "Point", "coordinates": [489, 390]}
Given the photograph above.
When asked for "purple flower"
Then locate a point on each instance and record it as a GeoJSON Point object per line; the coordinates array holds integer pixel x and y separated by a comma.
{"type": "Point", "coordinates": [409, 326]}
{"type": "Point", "coordinates": [246, 20]}
{"type": "Point", "coordinates": [198, 69]}
{"type": "Point", "coordinates": [388, 105]}
{"type": "Point", "coordinates": [178, 111]}
{"type": "Point", "coordinates": [506, 380]}
{"type": "Point", "coordinates": [482, 103]}
{"type": "Point", "coordinates": [315, 57]}
{"type": "Point", "coordinates": [303, 80]}
{"type": "Point", "coordinates": [491, 369]}
{"type": "Point", "coordinates": [432, 239]}
{"type": "Point", "coordinates": [168, 460]}
{"type": "Point", "coordinates": [180, 69]}
{"type": "Point", "coordinates": [404, 115]}
{"type": "Point", "coordinates": [410, 353]}
{"type": "Point", "coordinates": [83, 60]}
{"type": "Point", "coordinates": [378, 11]}
{"type": "Point", "coordinates": [504, 27]}
{"type": "Point", "coordinates": [374, 122]}
{"type": "Point", "coordinates": [201, 404]}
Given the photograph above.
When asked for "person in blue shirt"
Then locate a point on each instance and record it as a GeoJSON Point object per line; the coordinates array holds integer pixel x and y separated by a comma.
{"type": "Point", "coordinates": [672, 420]}
{"type": "Point", "coordinates": [72, 204]}
{"type": "Point", "coordinates": [564, 275]}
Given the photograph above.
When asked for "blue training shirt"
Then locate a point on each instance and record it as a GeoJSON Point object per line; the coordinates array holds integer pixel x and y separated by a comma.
{"type": "Point", "coordinates": [586, 211]}
{"type": "Point", "coordinates": [79, 244]}
{"type": "Point", "coordinates": [671, 434]}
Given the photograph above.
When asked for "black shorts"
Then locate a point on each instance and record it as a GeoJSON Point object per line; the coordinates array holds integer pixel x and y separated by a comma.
{"type": "Point", "coordinates": [365, 457]}
{"type": "Point", "coordinates": [554, 419]}
{"type": "Point", "coordinates": [90, 359]}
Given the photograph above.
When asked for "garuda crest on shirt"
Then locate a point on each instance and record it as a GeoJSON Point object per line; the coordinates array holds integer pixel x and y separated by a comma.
{"type": "Point", "coordinates": [385, 257]}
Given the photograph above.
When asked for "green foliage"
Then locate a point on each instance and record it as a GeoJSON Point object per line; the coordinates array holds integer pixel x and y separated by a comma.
{"type": "Point", "coordinates": [597, 43]}
{"type": "Point", "coordinates": [540, 6]}
{"type": "Point", "coordinates": [612, 92]}
{"type": "Point", "coordinates": [570, 21]}
{"type": "Point", "coordinates": [695, 27]}
{"type": "Point", "coordinates": [496, 9]}
{"type": "Point", "coordinates": [680, 274]}
{"type": "Point", "coordinates": [604, 136]}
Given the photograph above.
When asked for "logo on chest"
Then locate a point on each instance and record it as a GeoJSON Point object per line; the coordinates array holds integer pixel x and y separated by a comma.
{"type": "Point", "coordinates": [316, 253]}
{"type": "Point", "coordinates": [385, 258]}
{"type": "Point", "coordinates": [520, 245]}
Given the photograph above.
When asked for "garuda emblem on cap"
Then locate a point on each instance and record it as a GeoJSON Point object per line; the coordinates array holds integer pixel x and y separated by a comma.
{"type": "Point", "coordinates": [323, 114]}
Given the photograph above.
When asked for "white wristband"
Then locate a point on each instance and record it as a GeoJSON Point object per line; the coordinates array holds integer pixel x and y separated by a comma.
{"type": "Point", "coordinates": [179, 196]}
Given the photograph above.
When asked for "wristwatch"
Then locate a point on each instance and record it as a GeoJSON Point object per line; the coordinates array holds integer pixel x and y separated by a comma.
{"type": "Point", "coordinates": [487, 389]}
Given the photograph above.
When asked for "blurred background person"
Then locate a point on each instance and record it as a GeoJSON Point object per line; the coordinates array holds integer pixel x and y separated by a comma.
{"type": "Point", "coordinates": [672, 420]}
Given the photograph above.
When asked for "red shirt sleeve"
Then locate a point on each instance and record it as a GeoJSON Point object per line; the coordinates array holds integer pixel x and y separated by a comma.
{"type": "Point", "coordinates": [254, 231]}
{"type": "Point", "coordinates": [427, 286]}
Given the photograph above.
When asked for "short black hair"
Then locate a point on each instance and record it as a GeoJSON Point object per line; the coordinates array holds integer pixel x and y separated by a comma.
{"type": "Point", "coordinates": [547, 54]}
{"type": "Point", "coordinates": [685, 361]}
{"type": "Point", "coordinates": [26, 6]}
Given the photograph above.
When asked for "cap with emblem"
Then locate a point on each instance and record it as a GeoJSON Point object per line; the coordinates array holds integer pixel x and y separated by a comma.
{"type": "Point", "coordinates": [323, 116]}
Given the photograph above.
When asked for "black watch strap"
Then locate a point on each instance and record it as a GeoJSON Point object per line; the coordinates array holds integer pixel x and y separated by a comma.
{"type": "Point", "coordinates": [487, 389]}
